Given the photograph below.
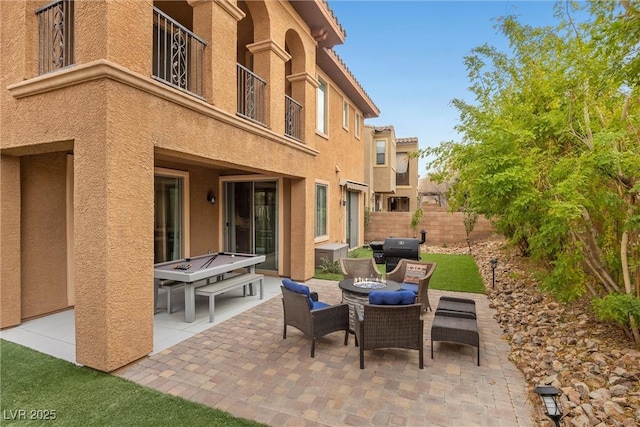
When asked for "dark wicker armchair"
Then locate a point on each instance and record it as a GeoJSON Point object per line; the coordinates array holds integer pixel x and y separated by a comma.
{"type": "Point", "coordinates": [422, 289]}
{"type": "Point", "coordinates": [389, 326]}
{"type": "Point", "coordinates": [359, 267]}
{"type": "Point", "coordinates": [315, 322]}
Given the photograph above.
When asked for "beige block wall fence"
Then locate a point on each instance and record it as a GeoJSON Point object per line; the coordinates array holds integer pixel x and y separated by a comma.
{"type": "Point", "coordinates": [442, 227]}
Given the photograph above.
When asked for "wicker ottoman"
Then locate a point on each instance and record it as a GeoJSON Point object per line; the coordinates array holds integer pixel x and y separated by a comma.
{"type": "Point", "coordinates": [464, 307]}
{"type": "Point", "coordinates": [455, 327]}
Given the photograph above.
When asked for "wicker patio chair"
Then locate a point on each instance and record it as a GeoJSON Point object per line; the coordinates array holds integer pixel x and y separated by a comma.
{"type": "Point", "coordinates": [422, 288]}
{"type": "Point", "coordinates": [389, 326]}
{"type": "Point", "coordinates": [312, 317]}
{"type": "Point", "coordinates": [359, 267]}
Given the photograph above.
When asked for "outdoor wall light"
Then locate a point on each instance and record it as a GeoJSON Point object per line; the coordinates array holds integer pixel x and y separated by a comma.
{"type": "Point", "coordinates": [549, 396]}
{"type": "Point", "coordinates": [211, 198]}
{"type": "Point", "coordinates": [494, 264]}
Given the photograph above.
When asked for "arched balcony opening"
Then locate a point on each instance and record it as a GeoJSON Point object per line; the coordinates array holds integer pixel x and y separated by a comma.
{"type": "Point", "coordinates": [294, 91]}
{"type": "Point", "coordinates": [251, 87]}
{"type": "Point", "coordinates": [178, 53]}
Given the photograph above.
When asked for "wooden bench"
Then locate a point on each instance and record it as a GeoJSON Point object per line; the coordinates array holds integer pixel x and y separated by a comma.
{"type": "Point", "coordinates": [455, 321]}
{"type": "Point", "coordinates": [225, 285]}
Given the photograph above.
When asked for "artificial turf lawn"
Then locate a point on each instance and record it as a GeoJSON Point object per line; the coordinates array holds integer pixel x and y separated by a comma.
{"type": "Point", "coordinates": [35, 386]}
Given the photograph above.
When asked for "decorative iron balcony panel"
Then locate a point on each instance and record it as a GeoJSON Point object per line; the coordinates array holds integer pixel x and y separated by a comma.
{"type": "Point", "coordinates": [292, 118]}
{"type": "Point", "coordinates": [251, 89]}
{"type": "Point", "coordinates": [178, 55]}
{"type": "Point", "coordinates": [55, 36]}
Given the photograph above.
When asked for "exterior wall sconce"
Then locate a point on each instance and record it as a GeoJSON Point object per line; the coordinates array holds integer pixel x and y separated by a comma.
{"type": "Point", "coordinates": [211, 198]}
{"type": "Point", "coordinates": [549, 396]}
{"type": "Point", "coordinates": [494, 264]}
{"type": "Point", "coordinates": [343, 202]}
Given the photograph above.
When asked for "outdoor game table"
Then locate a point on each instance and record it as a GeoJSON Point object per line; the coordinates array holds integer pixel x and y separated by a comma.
{"type": "Point", "coordinates": [203, 267]}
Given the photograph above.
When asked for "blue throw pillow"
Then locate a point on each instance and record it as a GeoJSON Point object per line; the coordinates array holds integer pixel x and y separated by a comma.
{"type": "Point", "coordinates": [298, 288]}
{"type": "Point", "coordinates": [409, 287]}
{"type": "Point", "coordinates": [392, 297]}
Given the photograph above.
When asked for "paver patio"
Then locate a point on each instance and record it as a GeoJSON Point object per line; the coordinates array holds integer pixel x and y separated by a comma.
{"type": "Point", "coordinates": [244, 367]}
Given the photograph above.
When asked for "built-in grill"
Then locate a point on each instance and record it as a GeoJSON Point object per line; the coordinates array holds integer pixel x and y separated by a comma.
{"type": "Point", "coordinates": [378, 251]}
{"type": "Point", "coordinates": [396, 248]}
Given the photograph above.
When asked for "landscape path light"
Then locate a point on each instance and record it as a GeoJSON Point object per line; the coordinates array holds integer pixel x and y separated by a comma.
{"type": "Point", "coordinates": [549, 396]}
{"type": "Point", "coordinates": [494, 264]}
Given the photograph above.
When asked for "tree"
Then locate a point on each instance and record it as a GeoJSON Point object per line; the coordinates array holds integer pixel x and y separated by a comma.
{"type": "Point", "coordinates": [551, 151]}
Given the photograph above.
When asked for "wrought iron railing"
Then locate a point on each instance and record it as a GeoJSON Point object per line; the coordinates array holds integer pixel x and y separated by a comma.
{"type": "Point", "coordinates": [292, 118]}
{"type": "Point", "coordinates": [178, 55]}
{"type": "Point", "coordinates": [55, 36]}
{"type": "Point", "coordinates": [251, 89]}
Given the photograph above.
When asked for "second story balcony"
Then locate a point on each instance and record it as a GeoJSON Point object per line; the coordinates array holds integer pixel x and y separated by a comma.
{"type": "Point", "coordinates": [55, 36]}
{"type": "Point", "coordinates": [292, 118]}
{"type": "Point", "coordinates": [178, 55]}
{"type": "Point", "coordinates": [251, 99]}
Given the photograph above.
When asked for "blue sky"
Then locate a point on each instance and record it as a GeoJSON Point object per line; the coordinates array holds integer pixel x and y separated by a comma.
{"type": "Point", "coordinates": [409, 56]}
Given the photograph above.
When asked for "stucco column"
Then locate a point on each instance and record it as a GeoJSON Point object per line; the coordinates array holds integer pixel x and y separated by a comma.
{"type": "Point", "coordinates": [113, 238]}
{"type": "Point", "coordinates": [216, 22]}
{"type": "Point", "coordinates": [10, 277]}
{"type": "Point", "coordinates": [115, 31]}
{"type": "Point", "coordinates": [268, 63]}
{"type": "Point", "coordinates": [302, 229]}
{"type": "Point", "coordinates": [303, 90]}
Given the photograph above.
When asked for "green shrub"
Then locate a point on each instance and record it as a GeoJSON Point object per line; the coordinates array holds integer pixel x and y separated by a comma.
{"type": "Point", "coordinates": [330, 267]}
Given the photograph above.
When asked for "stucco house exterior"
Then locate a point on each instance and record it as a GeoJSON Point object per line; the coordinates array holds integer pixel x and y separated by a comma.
{"type": "Point", "coordinates": [390, 172]}
{"type": "Point", "coordinates": [134, 132]}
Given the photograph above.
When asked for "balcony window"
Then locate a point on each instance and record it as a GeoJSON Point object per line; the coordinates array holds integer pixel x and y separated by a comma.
{"type": "Point", "coordinates": [402, 169]}
{"type": "Point", "coordinates": [55, 36]}
{"type": "Point", "coordinates": [293, 118]}
{"type": "Point", "coordinates": [178, 55]}
{"type": "Point", "coordinates": [251, 100]}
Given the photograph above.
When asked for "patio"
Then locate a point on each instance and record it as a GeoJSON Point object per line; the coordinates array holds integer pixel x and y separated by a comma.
{"type": "Point", "coordinates": [243, 366]}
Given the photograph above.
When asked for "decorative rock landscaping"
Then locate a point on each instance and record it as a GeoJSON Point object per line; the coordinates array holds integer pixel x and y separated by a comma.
{"type": "Point", "coordinates": [563, 345]}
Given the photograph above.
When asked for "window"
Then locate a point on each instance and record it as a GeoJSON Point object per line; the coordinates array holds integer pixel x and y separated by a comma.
{"type": "Point", "coordinates": [357, 125]}
{"type": "Point", "coordinates": [345, 114]}
{"type": "Point", "coordinates": [321, 107]}
{"type": "Point", "coordinates": [171, 215]}
{"type": "Point", "coordinates": [402, 169]}
{"type": "Point", "coordinates": [381, 147]}
{"type": "Point", "coordinates": [321, 210]}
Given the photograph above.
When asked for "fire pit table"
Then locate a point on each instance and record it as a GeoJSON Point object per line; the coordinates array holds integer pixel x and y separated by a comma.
{"type": "Point", "coordinates": [356, 291]}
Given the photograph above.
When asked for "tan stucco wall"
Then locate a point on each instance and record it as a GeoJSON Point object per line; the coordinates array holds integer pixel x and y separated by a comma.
{"type": "Point", "coordinates": [10, 259]}
{"type": "Point", "coordinates": [44, 243]}
{"type": "Point", "coordinates": [120, 124]}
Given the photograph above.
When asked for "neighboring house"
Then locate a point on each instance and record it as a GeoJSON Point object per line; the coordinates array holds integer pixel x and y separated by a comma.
{"type": "Point", "coordinates": [137, 132]}
{"type": "Point", "coordinates": [390, 171]}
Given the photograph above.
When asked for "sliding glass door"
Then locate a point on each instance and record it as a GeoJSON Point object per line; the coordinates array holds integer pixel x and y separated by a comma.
{"type": "Point", "coordinates": [252, 219]}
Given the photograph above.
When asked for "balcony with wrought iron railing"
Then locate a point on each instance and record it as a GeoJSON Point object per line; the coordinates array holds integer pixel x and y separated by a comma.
{"type": "Point", "coordinates": [292, 118]}
{"type": "Point", "coordinates": [251, 95]}
{"type": "Point", "coordinates": [55, 36]}
{"type": "Point", "coordinates": [178, 55]}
